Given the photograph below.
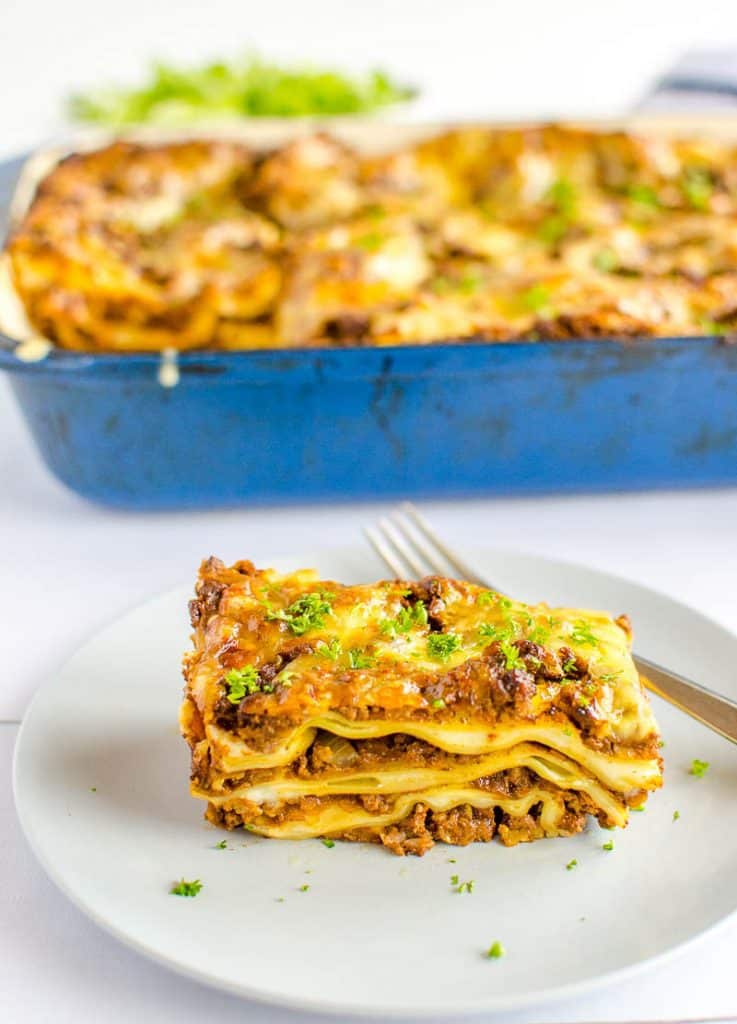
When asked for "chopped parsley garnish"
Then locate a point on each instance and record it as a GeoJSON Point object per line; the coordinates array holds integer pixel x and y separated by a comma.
{"type": "Point", "coordinates": [699, 768]}
{"type": "Point", "coordinates": [371, 241]}
{"type": "Point", "coordinates": [440, 646]}
{"type": "Point", "coordinates": [536, 299]}
{"type": "Point", "coordinates": [608, 846]}
{"type": "Point", "coordinates": [460, 887]}
{"type": "Point", "coordinates": [330, 843]}
{"type": "Point", "coordinates": [495, 632]}
{"type": "Point", "coordinates": [438, 703]}
{"type": "Point", "coordinates": [608, 677]}
{"type": "Point", "coordinates": [358, 658]}
{"type": "Point", "coordinates": [304, 888]}
{"type": "Point", "coordinates": [539, 635]}
{"type": "Point", "coordinates": [441, 285]}
{"type": "Point", "coordinates": [568, 666]}
{"type": "Point", "coordinates": [713, 327]}
{"type": "Point", "coordinates": [644, 195]}
{"type": "Point", "coordinates": [571, 865]}
{"type": "Point", "coordinates": [581, 634]}
{"type": "Point", "coordinates": [512, 658]}
{"type": "Point", "coordinates": [640, 809]}
{"type": "Point", "coordinates": [222, 845]}
{"type": "Point", "coordinates": [485, 597]}
{"type": "Point", "coordinates": [563, 196]}
{"type": "Point", "coordinates": [243, 682]}
{"type": "Point", "coordinates": [697, 187]}
{"type": "Point", "coordinates": [405, 620]}
{"type": "Point", "coordinates": [183, 888]}
{"type": "Point", "coordinates": [676, 815]}
{"type": "Point", "coordinates": [605, 260]}
{"type": "Point", "coordinates": [454, 880]}
{"type": "Point", "coordinates": [93, 789]}
{"type": "Point", "coordinates": [553, 228]}
{"type": "Point", "coordinates": [451, 860]}
{"type": "Point", "coordinates": [495, 951]}
{"type": "Point", "coordinates": [568, 731]}
{"type": "Point", "coordinates": [329, 649]}
{"type": "Point", "coordinates": [306, 613]}
{"type": "Point", "coordinates": [469, 283]}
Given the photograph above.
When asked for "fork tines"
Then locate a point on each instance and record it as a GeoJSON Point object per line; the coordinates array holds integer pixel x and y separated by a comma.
{"type": "Point", "coordinates": [411, 549]}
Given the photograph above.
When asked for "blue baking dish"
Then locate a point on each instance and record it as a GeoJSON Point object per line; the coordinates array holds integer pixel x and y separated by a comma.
{"type": "Point", "coordinates": [453, 419]}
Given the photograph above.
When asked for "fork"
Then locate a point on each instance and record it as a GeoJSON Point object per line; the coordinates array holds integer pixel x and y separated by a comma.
{"type": "Point", "coordinates": [410, 548]}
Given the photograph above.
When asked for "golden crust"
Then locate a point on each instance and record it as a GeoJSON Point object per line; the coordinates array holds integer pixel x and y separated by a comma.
{"type": "Point", "coordinates": [439, 652]}
{"type": "Point", "coordinates": [485, 234]}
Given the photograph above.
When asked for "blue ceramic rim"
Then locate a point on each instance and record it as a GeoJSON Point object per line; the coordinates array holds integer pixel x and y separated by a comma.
{"type": "Point", "coordinates": [412, 359]}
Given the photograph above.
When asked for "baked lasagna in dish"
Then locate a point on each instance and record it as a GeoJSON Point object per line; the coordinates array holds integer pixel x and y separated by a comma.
{"type": "Point", "coordinates": [409, 712]}
{"type": "Point", "coordinates": [482, 234]}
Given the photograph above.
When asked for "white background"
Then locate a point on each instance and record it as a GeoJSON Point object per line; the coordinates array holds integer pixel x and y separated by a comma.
{"type": "Point", "coordinates": [66, 567]}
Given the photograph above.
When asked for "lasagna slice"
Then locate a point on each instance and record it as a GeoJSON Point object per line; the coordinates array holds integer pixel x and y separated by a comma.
{"type": "Point", "coordinates": [408, 712]}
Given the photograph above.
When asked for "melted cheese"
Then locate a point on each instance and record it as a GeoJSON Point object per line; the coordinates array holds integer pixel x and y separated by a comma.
{"type": "Point", "coordinates": [495, 684]}
{"type": "Point", "coordinates": [479, 233]}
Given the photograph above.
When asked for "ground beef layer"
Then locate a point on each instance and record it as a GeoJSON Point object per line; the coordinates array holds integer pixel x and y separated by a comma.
{"type": "Point", "coordinates": [421, 827]}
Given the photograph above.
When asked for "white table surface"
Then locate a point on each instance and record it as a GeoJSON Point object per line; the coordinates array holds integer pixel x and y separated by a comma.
{"type": "Point", "coordinates": [67, 567]}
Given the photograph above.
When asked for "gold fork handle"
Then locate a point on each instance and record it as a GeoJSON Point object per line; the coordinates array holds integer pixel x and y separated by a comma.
{"type": "Point", "coordinates": [717, 712]}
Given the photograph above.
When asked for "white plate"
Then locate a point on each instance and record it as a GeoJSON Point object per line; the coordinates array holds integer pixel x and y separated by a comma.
{"type": "Point", "coordinates": [374, 934]}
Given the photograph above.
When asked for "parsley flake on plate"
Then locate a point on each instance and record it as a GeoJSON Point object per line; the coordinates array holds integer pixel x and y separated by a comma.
{"type": "Point", "coordinates": [495, 951]}
{"type": "Point", "coordinates": [183, 888]}
{"type": "Point", "coordinates": [698, 768]}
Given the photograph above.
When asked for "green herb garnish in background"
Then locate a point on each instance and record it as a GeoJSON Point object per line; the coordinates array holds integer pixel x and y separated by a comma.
{"type": "Point", "coordinates": [698, 768]}
{"type": "Point", "coordinates": [676, 815]}
{"type": "Point", "coordinates": [495, 951]}
{"type": "Point", "coordinates": [440, 646]}
{"type": "Point", "coordinates": [183, 888]}
{"type": "Point", "coordinates": [330, 843]}
{"type": "Point", "coordinates": [536, 299]}
{"type": "Point", "coordinates": [608, 846]}
{"type": "Point", "coordinates": [644, 196]}
{"type": "Point", "coordinates": [571, 865]}
{"type": "Point", "coordinates": [222, 845]}
{"type": "Point", "coordinates": [244, 87]}
{"type": "Point", "coordinates": [371, 242]}
{"type": "Point", "coordinates": [697, 187]}
{"type": "Point", "coordinates": [605, 260]}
